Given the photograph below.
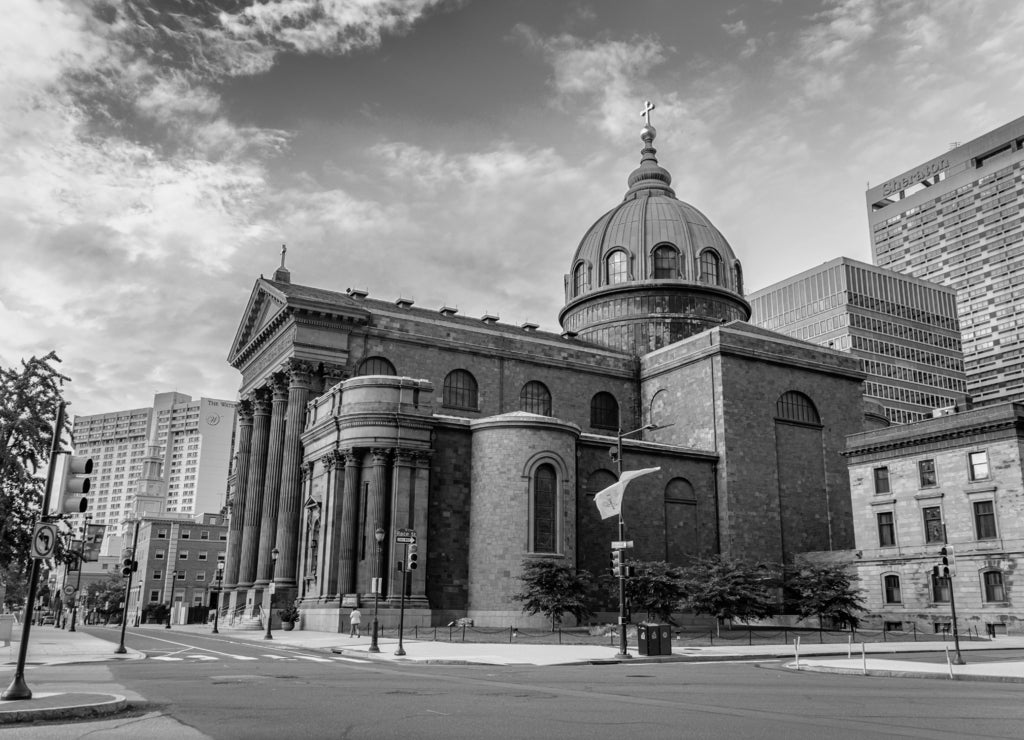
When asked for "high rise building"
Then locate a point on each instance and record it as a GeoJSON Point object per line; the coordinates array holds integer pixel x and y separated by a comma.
{"type": "Point", "coordinates": [192, 438]}
{"type": "Point", "coordinates": [956, 220]}
{"type": "Point", "coordinates": [904, 330]}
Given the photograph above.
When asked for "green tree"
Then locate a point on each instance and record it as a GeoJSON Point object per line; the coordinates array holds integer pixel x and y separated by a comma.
{"type": "Point", "coordinates": [726, 589]}
{"type": "Point", "coordinates": [553, 589]}
{"type": "Point", "coordinates": [29, 396]}
{"type": "Point", "coordinates": [826, 592]}
{"type": "Point", "coordinates": [105, 596]}
{"type": "Point", "coordinates": [655, 588]}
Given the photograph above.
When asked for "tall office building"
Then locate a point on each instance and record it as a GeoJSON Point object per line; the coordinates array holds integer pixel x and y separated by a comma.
{"type": "Point", "coordinates": [904, 330]}
{"type": "Point", "coordinates": [956, 220]}
{"type": "Point", "coordinates": [193, 439]}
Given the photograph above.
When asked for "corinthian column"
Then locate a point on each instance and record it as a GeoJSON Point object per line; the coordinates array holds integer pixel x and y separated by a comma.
{"type": "Point", "coordinates": [272, 485]}
{"type": "Point", "coordinates": [291, 489]}
{"type": "Point", "coordinates": [349, 525]}
{"type": "Point", "coordinates": [254, 488]}
{"type": "Point", "coordinates": [238, 499]}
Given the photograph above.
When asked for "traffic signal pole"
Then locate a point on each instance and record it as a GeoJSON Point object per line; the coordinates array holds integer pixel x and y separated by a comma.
{"type": "Point", "coordinates": [120, 649]}
{"type": "Point", "coordinates": [18, 688]}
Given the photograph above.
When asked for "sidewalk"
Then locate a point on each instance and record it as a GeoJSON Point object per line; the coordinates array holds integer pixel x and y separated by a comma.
{"type": "Point", "coordinates": [50, 646]}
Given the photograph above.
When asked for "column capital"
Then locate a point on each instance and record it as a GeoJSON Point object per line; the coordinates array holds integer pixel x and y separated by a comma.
{"type": "Point", "coordinates": [279, 387]}
{"type": "Point", "coordinates": [380, 455]}
{"type": "Point", "coordinates": [244, 412]}
{"type": "Point", "coordinates": [333, 374]}
{"type": "Point", "coordinates": [261, 402]}
{"type": "Point", "coordinates": [423, 458]}
{"type": "Point", "coordinates": [404, 457]}
{"type": "Point", "coordinates": [333, 460]}
{"type": "Point", "coordinates": [307, 470]}
{"type": "Point", "coordinates": [299, 373]}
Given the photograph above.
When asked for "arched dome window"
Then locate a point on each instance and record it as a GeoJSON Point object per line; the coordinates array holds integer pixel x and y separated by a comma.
{"type": "Point", "coordinates": [794, 406]}
{"type": "Point", "coordinates": [738, 278]}
{"type": "Point", "coordinates": [604, 411]}
{"type": "Point", "coordinates": [460, 391]}
{"type": "Point", "coordinates": [579, 279]}
{"type": "Point", "coordinates": [617, 265]}
{"type": "Point", "coordinates": [666, 262]}
{"type": "Point", "coordinates": [376, 366]}
{"type": "Point", "coordinates": [710, 267]}
{"type": "Point", "coordinates": [535, 398]}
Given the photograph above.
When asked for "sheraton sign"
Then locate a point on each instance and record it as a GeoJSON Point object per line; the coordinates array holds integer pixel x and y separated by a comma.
{"type": "Point", "coordinates": [911, 178]}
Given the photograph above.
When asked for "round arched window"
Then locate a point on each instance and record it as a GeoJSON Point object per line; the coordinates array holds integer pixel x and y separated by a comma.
{"type": "Point", "coordinates": [535, 398]}
{"type": "Point", "coordinates": [376, 366]}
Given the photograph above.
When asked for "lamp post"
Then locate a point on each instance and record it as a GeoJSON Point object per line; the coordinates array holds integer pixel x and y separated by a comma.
{"type": "Point", "coordinates": [270, 608]}
{"type": "Point", "coordinates": [623, 648]}
{"type": "Point", "coordinates": [81, 564]}
{"type": "Point", "coordinates": [378, 535]}
{"type": "Point", "coordinates": [219, 578]}
{"type": "Point", "coordinates": [170, 605]}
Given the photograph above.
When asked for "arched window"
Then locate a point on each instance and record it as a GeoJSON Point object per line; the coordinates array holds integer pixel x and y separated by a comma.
{"type": "Point", "coordinates": [604, 411]}
{"type": "Point", "coordinates": [545, 509]}
{"type": "Point", "coordinates": [460, 391]}
{"type": "Point", "coordinates": [618, 267]}
{"type": "Point", "coordinates": [793, 406]}
{"type": "Point", "coordinates": [710, 267]}
{"type": "Point", "coordinates": [893, 594]}
{"type": "Point", "coordinates": [738, 278]}
{"type": "Point", "coordinates": [579, 279]}
{"type": "Point", "coordinates": [682, 538]}
{"type": "Point", "coordinates": [535, 398]}
{"type": "Point", "coordinates": [376, 366]}
{"type": "Point", "coordinates": [666, 262]}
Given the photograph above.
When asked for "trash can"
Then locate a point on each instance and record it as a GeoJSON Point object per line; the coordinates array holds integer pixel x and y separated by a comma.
{"type": "Point", "coordinates": [648, 638]}
{"type": "Point", "coordinates": [665, 638]}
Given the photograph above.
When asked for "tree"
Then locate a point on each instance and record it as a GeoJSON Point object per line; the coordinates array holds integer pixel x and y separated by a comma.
{"type": "Point", "coordinates": [655, 588]}
{"type": "Point", "coordinates": [730, 590]}
{"type": "Point", "coordinates": [825, 592]}
{"type": "Point", "coordinates": [553, 589]}
{"type": "Point", "coordinates": [105, 596]}
{"type": "Point", "coordinates": [28, 407]}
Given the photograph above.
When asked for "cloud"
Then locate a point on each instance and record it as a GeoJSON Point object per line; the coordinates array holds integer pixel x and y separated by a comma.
{"type": "Point", "coordinates": [739, 28]}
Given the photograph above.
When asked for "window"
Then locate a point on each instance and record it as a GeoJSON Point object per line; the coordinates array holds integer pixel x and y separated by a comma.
{"type": "Point", "coordinates": [926, 473]}
{"type": "Point", "coordinates": [985, 520]}
{"type": "Point", "coordinates": [604, 411]}
{"type": "Point", "coordinates": [157, 575]}
{"type": "Point", "coordinates": [204, 535]}
{"type": "Point", "coordinates": [933, 524]}
{"type": "Point", "coordinates": [186, 534]}
{"type": "Point", "coordinates": [579, 279]}
{"type": "Point", "coordinates": [535, 398]}
{"type": "Point", "coordinates": [158, 555]}
{"type": "Point", "coordinates": [793, 406]}
{"type": "Point", "coordinates": [882, 480]}
{"type": "Point", "coordinates": [201, 575]}
{"type": "Point", "coordinates": [977, 463]}
{"type": "Point", "coordinates": [161, 534]}
{"type": "Point", "coordinates": [460, 391]}
{"type": "Point", "coordinates": [617, 264]}
{"type": "Point", "coordinates": [154, 596]}
{"type": "Point", "coordinates": [993, 580]}
{"type": "Point", "coordinates": [183, 555]}
{"type": "Point", "coordinates": [886, 529]}
{"type": "Point", "coordinates": [666, 262]}
{"type": "Point", "coordinates": [181, 574]}
{"type": "Point", "coordinates": [544, 508]}
{"type": "Point", "coordinates": [940, 589]}
{"type": "Point", "coordinates": [710, 268]}
{"type": "Point", "coordinates": [376, 366]}
{"type": "Point", "coordinates": [892, 590]}
{"type": "Point", "coordinates": [202, 556]}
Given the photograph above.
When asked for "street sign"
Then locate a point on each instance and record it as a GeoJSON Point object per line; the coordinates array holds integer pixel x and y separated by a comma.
{"type": "Point", "coordinates": [44, 540]}
{"type": "Point", "coordinates": [405, 536]}
{"type": "Point", "coordinates": [375, 586]}
{"type": "Point", "coordinates": [272, 584]}
{"type": "Point", "coordinates": [69, 590]}
{"type": "Point", "coordinates": [622, 545]}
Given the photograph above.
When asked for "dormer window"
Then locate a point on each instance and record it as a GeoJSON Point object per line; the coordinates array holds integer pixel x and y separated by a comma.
{"type": "Point", "coordinates": [710, 268]}
{"type": "Point", "coordinates": [618, 267]}
{"type": "Point", "coordinates": [666, 262]}
{"type": "Point", "coordinates": [579, 279]}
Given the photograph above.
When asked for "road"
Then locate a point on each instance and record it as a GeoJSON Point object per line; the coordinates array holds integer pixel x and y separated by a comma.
{"type": "Point", "coordinates": [216, 686]}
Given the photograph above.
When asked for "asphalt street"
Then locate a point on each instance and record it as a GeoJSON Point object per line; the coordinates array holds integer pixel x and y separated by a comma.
{"type": "Point", "coordinates": [197, 685]}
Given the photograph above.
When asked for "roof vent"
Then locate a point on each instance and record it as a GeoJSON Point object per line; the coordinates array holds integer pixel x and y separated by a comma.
{"type": "Point", "coordinates": [404, 302]}
{"type": "Point", "coordinates": [568, 335]}
{"type": "Point", "coordinates": [489, 318]}
{"type": "Point", "coordinates": [529, 326]}
{"type": "Point", "coordinates": [357, 293]}
{"type": "Point", "coordinates": [944, 411]}
{"type": "Point", "coordinates": [448, 311]}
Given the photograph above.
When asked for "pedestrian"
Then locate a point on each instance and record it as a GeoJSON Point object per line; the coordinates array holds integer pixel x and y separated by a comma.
{"type": "Point", "coordinates": [354, 620]}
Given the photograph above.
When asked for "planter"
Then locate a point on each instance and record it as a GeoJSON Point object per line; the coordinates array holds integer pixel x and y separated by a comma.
{"type": "Point", "coordinates": [287, 626]}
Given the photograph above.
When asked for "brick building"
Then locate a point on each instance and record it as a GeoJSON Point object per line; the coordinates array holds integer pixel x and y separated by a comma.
{"type": "Point", "coordinates": [954, 479]}
{"type": "Point", "coordinates": [490, 440]}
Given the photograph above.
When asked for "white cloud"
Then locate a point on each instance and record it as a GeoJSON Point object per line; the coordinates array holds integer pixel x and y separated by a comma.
{"type": "Point", "coordinates": [739, 28]}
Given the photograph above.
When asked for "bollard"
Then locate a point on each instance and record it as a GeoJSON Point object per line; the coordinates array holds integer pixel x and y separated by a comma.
{"type": "Point", "coordinates": [849, 648]}
{"type": "Point", "coordinates": [949, 663]}
{"type": "Point", "coordinates": [796, 650]}
{"type": "Point", "coordinates": [863, 659]}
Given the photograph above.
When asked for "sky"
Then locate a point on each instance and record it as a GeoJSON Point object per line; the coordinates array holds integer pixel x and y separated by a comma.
{"type": "Point", "coordinates": [154, 156]}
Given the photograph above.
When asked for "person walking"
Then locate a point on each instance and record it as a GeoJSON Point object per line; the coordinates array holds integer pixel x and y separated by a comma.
{"type": "Point", "coordinates": [354, 620]}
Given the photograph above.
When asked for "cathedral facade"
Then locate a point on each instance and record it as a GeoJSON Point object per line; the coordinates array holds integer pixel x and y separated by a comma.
{"type": "Point", "coordinates": [366, 424]}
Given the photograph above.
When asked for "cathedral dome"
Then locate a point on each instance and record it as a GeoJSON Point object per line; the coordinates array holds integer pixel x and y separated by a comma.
{"type": "Point", "coordinates": [653, 269]}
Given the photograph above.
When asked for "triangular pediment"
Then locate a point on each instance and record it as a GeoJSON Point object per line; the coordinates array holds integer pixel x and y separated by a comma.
{"type": "Point", "coordinates": [266, 302]}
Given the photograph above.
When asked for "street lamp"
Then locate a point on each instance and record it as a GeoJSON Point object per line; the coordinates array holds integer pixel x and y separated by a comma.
{"type": "Point", "coordinates": [378, 535]}
{"type": "Point", "coordinates": [270, 609]}
{"type": "Point", "coordinates": [219, 589]}
{"type": "Point", "coordinates": [623, 649]}
{"type": "Point", "coordinates": [170, 605]}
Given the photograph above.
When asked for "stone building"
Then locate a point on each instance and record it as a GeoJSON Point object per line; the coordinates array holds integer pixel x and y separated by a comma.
{"type": "Point", "coordinates": [490, 440]}
{"type": "Point", "coordinates": [953, 479]}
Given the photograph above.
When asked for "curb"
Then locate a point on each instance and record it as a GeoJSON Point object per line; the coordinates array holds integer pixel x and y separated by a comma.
{"type": "Point", "coordinates": [91, 705]}
{"type": "Point", "coordinates": [882, 673]}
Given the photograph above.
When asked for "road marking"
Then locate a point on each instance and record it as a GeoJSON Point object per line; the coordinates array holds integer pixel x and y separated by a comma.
{"type": "Point", "coordinates": [190, 647]}
{"type": "Point", "coordinates": [315, 660]}
{"type": "Point", "coordinates": [352, 660]}
{"type": "Point", "coordinates": [167, 657]}
{"type": "Point", "coordinates": [278, 657]}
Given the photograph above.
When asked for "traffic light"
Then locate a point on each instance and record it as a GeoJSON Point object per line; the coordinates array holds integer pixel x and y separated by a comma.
{"type": "Point", "coordinates": [618, 563]}
{"type": "Point", "coordinates": [76, 484]}
{"type": "Point", "coordinates": [947, 562]}
{"type": "Point", "coordinates": [126, 566]}
{"type": "Point", "coordinates": [413, 556]}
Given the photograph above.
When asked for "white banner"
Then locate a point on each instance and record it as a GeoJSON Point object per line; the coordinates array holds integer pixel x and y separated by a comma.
{"type": "Point", "coordinates": [609, 501]}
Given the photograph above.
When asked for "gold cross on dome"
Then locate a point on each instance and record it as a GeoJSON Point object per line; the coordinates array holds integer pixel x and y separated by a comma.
{"type": "Point", "coordinates": [648, 107]}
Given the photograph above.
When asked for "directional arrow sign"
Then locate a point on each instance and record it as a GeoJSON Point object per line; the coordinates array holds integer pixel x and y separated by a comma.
{"type": "Point", "coordinates": [44, 540]}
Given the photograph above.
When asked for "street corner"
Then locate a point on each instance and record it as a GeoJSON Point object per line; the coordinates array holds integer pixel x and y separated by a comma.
{"type": "Point", "coordinates": [60, 706]}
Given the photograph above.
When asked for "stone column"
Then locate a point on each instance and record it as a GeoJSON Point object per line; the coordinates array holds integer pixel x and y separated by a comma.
{"type": "Point", "coordinates": [334, 463]}
{"type": "Point", "coordinates": [234, 546]}
{"type": "Point", "coordinates": [291, 491]}
{"type": "Point", "coordinates": [272, 484]}
{"type": "Point", "coordinates": [349, 535]}
{"type": "Point", "coordinates": [418, 507]}
{"type": "Point", "coordinates": [254, 488]}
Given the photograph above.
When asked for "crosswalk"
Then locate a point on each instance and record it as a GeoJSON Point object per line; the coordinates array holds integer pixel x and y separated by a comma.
{"type": "Point", "coordinates": [201, 657]}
